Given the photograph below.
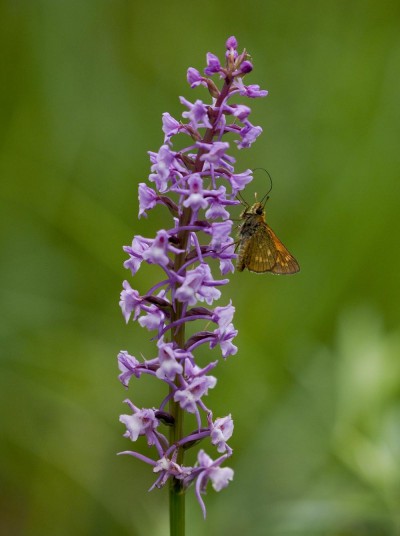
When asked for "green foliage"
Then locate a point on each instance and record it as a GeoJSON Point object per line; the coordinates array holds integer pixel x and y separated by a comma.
{"type": "Point", "coordinates": [314, 388]}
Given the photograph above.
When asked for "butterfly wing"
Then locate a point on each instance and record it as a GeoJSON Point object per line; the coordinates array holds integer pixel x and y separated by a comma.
{"type": "Point", "coordinates": [285, 263]}
{"type": "Point", "coordinates": [257, 252]}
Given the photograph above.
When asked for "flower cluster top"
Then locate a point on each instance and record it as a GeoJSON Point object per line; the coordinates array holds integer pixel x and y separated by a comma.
{"type": "Point", "coordinates": [196, 184]}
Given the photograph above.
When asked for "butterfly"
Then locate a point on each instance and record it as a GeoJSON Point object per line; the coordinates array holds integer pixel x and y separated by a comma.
{"type": "Point", "coordinates": [260, 250]}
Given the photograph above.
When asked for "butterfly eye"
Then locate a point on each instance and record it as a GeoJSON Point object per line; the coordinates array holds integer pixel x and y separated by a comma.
{"type": "Point", "coordinates": [259, 210]}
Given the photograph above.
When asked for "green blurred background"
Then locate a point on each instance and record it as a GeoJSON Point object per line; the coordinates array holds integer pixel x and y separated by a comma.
{"type": "Point", "coordinates": [314, 389]}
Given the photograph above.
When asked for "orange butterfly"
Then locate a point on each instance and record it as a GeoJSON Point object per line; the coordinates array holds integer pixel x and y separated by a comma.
{"type": "Point", "coordinates": [260, 250]}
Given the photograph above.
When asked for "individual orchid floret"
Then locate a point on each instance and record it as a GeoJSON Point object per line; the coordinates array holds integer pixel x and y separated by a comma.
{"type": "Point", "coordinates": [196, 200]}
{"type": "Point", "coordinates": [223, 337]}
{"type": "Point", "coordinates": [215, 153]}
{"type": "Point", "coordinates": [217, 203]}
{"type": "Point", "coordinates": [245, 68]}
{"type": "Point", "coordinates": [168, 468]}
{"type": "Point", "coordinates": [226, 265]}
{"type": "Point", "coordinates": [197, 114]}
{"type": "Point", "coordinates": [240, 111]}
{"type": "Point", "coordinates": [213, 64]}
{"type": "Point", "coordinates": [165, 169]}
{"type": "Point", "coordinates": [210, 471]}
{"type": "Point", "coordinates": [223, 315]}
{"type": "Point", "coordinates": [162, 162]}
{"type": "Point", "coordinates": [193, 392]}
{"type": "Point", "coordinates": [249, 133]}
{"type": "Point", "coordinates": [147, 199]}
{"type": "Point", "coordinates": [199, 285]}
{"type": "Point", "coordinates": [170, 126]}
{"type": "Point", "coordinates": [141, 422]}
{"type": "Point", "coordinates": [129, 366]}
{"type": "Point", "coordinates": [169, 365]}
{"type": "Point", "coordinates": [252, 91]}
{"type": "Point", "coordinates": [221, 431]}
{"type": "Point", "coordinates": [135, 252]}
{"type": "Point", "coordinates": [157, 252]}
{"type": "Point", "coordinates": [194, 78]}
{"type": "Point", "coordinates": [152, 319]}
{"type": "Point", "coordinates": [220, 232]}
{"type": "Point", "coordinates": [231, 42]}
{"type": "Point", "coordinates": [239, 180]}
{"type": "Point", "coordinates": [130, 302]}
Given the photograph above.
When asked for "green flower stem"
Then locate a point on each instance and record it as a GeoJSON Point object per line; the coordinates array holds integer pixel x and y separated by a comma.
{"type": "Point", "coordinates": [176, 505]}
{"type": "Point", "coordinates": [176, 492]}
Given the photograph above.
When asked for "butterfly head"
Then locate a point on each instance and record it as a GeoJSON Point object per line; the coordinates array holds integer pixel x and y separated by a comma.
{"type": "Point", "coordinates": [259, 206]}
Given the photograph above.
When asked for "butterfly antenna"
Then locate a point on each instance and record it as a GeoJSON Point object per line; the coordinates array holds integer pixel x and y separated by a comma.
{"type": "Point", "coordinates": [265, 197]}
{"type": "Point", "coordinates": [242, 199]}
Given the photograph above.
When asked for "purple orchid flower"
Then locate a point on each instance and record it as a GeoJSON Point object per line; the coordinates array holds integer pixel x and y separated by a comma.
{"type": "Point", "coordinates": [195, 185]}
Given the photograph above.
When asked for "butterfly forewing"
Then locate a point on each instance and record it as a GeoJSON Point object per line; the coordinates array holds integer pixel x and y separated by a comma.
{"type": "Point", "coordinates": [285, 263]}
